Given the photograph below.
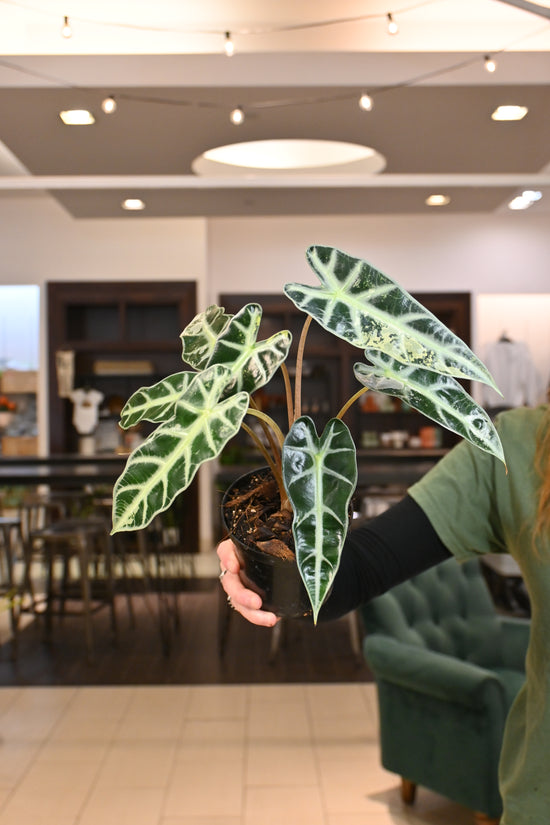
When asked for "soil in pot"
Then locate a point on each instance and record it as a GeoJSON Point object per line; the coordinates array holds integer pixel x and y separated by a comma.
{"type": "Point", "coordinates": [262, 534]}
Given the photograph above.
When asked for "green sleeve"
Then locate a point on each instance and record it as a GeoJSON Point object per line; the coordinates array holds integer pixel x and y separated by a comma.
{"type": "Point", "coordinates": [458, 497]}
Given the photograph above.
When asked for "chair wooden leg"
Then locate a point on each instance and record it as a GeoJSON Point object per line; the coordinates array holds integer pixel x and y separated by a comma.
{"type": "Point", "coordinates": [483, 819]}
{"type": "Point", "coordinates": [408, 791]}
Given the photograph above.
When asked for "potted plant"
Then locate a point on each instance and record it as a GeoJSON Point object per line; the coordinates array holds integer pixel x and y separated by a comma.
{"type": "Point", "coordinates": [408, 354]}
{"type": "Point", "coordinates": [7, 409]}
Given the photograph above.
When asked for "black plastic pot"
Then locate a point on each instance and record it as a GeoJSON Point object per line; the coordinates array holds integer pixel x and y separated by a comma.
{"type": "Point", "coordinates": [277, 581]}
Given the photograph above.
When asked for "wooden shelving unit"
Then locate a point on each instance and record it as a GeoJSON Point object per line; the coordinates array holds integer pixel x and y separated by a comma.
{"type": "Point", "coordinates": [124, 335]}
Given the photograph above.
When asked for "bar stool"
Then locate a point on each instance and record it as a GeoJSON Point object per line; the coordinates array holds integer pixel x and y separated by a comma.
{"type": "Point", "coordinates": [11, 542]}
{"type": "Point", "coordinates": [88, 541]}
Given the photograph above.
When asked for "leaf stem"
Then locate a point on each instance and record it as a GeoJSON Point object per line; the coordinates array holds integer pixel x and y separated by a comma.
{"type": "Point", "coordinates": [351, 401]}
{"type": "Point", "coordinates": [299, 369]}
{"type": "Point", "coordinates": [288, 391]}
{"type": "Point", "coordinates": [274, 465]}
{"type": "Point", "coordinates": [261, 447]}
{"type": "Point", "coordinates": [268, 431]}
{"type": "Point", "coordinates": [270, 423]}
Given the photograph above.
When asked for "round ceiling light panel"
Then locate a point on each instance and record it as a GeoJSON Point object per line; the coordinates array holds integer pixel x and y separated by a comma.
{"type": "Point", "coordinates": [289, 157]}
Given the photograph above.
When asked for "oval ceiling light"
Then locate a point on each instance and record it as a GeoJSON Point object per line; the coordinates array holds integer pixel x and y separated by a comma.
{"type": "Point", "coordinates": [289, 156]}
{"type": "Point", "coordinates": [437, 200]}
{"type": "Point", "coordinates": [77, 117]}
{"type": "Point", "coordinates": [509, 112]}
{"type": "Point", "coordinates": [133, 204]}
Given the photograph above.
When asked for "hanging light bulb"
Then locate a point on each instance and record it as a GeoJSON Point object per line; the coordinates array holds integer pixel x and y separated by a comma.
{"type": "Point", "coordinates": [66, 30]}
{"type": "Point", "coordinates": [237, 116]}
{"type": "Point", "coordinates": [365, 102]}
{"type": "Point", "coordinates": [109, 105]}
{"type": "Point", "coordinates": [490, 64]}
{"type": "Point", "coordinates": [229, 46]}
{"type": "Point", "coordinates": [393, 28]}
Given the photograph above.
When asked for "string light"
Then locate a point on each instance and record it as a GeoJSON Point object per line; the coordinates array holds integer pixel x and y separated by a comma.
{"type": "Point", "coordinates": [66, 30]}
{"type": "Point", "coordinates": [237, 116]}
{"type": "Point", "coordinates": [490, 64]}
{"type": "Point", "coordinates": [109, 105]}
{"type": "Point", "coordinates": [393, 28]}
{"type": "Point", "coordinates": [229, 46]}
{"type": "Point", "coordinates": [365, 102]}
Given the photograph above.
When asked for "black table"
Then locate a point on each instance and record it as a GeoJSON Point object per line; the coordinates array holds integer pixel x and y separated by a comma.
{"type": "Point", "coordinates": [60, 470]}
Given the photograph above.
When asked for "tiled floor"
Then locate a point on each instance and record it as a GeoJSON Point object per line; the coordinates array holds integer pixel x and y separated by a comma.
{"type": "Point", "coordinates": [192, 755]}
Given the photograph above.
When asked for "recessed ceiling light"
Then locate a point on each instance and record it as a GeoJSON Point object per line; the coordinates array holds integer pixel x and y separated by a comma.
{"type": "Point", "coordinates": [77, 117]}
{"type": "Point", "coordinates": [290, 157]}
{"type": "Point", "coordinates": [509, 112]}
{"type": "Point", "coordinates": [437, 200]}
{"type": "Point", "coordinates": [133, 204]}
{"type": "Point", "coordinates": [525, 200]}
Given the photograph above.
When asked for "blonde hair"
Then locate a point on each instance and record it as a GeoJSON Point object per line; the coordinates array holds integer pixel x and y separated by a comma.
{"type": "Point", "coordinates": [542, 467]}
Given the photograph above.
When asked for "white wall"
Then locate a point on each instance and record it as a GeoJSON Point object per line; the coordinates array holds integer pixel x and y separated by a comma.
{"type": "Point", "coordinates": [500, 254]}
{"type": "Point", "coordinates": [41, 242]}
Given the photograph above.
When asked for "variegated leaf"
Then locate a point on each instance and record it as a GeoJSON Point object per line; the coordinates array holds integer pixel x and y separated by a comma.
{"type": "Point", "coordinates": [439, 397]}
{"type": "Point", "coordinates": [320, 475]}
{"type": "Point", "coordinates": [155, 403]}
{"type": "Point", "coordinates": [166, 463]}
{"type": "Point", "coordinates": [199, 337]}
{"type": "Point", "coordinates": [368, 309]}
{"type": "Point", "coordinates": [252, 362]}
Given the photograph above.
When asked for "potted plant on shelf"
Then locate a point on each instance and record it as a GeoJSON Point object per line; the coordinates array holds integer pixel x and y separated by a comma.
{"type": "Point", "coordinates": [408, 353]}
{"type": "Point", "coordinates": [7, 409]}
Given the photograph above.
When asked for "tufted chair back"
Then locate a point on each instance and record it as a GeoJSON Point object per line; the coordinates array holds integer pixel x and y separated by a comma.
{"type": "Point", "coordinates": [447, 609]}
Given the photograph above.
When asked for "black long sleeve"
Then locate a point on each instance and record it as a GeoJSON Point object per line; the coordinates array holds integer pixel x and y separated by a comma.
{"type": "Point", "coordinates": [386, 551]}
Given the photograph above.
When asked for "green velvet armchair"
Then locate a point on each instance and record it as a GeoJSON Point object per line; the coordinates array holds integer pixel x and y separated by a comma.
{"type": "Point", "coordinates": [447, 669]}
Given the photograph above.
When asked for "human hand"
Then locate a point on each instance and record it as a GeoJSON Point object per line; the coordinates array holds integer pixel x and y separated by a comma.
{"type": "Point", "coordinates": [244, 601]}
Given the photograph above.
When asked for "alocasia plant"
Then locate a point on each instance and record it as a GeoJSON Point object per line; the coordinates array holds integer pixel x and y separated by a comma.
{"type": "Point", "coordinates": [409, 354]}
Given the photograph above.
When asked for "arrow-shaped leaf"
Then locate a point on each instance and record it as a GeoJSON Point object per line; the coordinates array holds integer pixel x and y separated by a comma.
{"type": "Point", "coordinates": [320, 475]}
{"type": "Point", "coordinates": [155, 403]}
{"type": "Point", "coordinates": [438, 397]}
{"type": "Point", "coordinates": [368, 309]}
{"type": "Point", "coordinates": [167, 461]}
{"type": "Point", "coordinates": [252, 362]}
{"type": "Point", "coordinates": [199, 337]}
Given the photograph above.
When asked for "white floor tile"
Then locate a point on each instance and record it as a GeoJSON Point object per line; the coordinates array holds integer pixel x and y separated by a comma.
{"type": "Point", "coordinates": [288, 805]}
{"type": "Point", "coordinates": [123, 806]}
{"type": "Point", "coordinates": [278, 763]}
{"type": "Point", "coordinates": [207, 780]}
{"type": "Point", "coordinates": [137, 765]}
{"type": "Point", "coordinates": [217, 702]}
{"type": "Point", "coordinates": [200, 820]}
{"type": "Point", "coordinates": [15, 759]}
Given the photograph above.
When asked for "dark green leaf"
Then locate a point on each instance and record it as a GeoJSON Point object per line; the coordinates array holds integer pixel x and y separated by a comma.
{"type": "Point", "coordinates": [320, 475]}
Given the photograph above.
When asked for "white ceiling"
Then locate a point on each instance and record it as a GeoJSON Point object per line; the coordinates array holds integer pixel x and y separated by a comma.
{"type": "Point", "coordinates": [298, 70]}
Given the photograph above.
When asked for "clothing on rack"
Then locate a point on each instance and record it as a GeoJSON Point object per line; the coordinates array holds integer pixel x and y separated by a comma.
{"type": "Point", "coordinates": [512, 366]}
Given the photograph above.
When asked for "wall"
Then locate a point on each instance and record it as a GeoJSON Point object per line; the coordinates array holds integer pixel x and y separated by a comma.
{"type": "Point", "coordinates": [487, 254]}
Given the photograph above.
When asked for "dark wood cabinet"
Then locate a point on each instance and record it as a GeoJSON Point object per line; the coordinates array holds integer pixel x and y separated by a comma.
{"type": "Point", "coordinates": [124, 335]}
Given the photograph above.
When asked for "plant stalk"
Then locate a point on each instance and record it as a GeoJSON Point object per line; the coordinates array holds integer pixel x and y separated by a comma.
{"type": "Point", "coordinates": [267, 427]}
{"type": "Point", "coordinates": [288, 391]}
{"type": "Point", "coordinates": [274, 466]}
{"type": "Point", "coordinates": [299, 369]}
{"type": "Point", "coordinates": [351, 401]}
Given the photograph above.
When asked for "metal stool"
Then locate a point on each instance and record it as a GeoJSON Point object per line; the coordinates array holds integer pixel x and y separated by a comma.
{"type": "Point", "coordinates": [87, 540]}
{"type": "Point", "coordinates": [10, 531]}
